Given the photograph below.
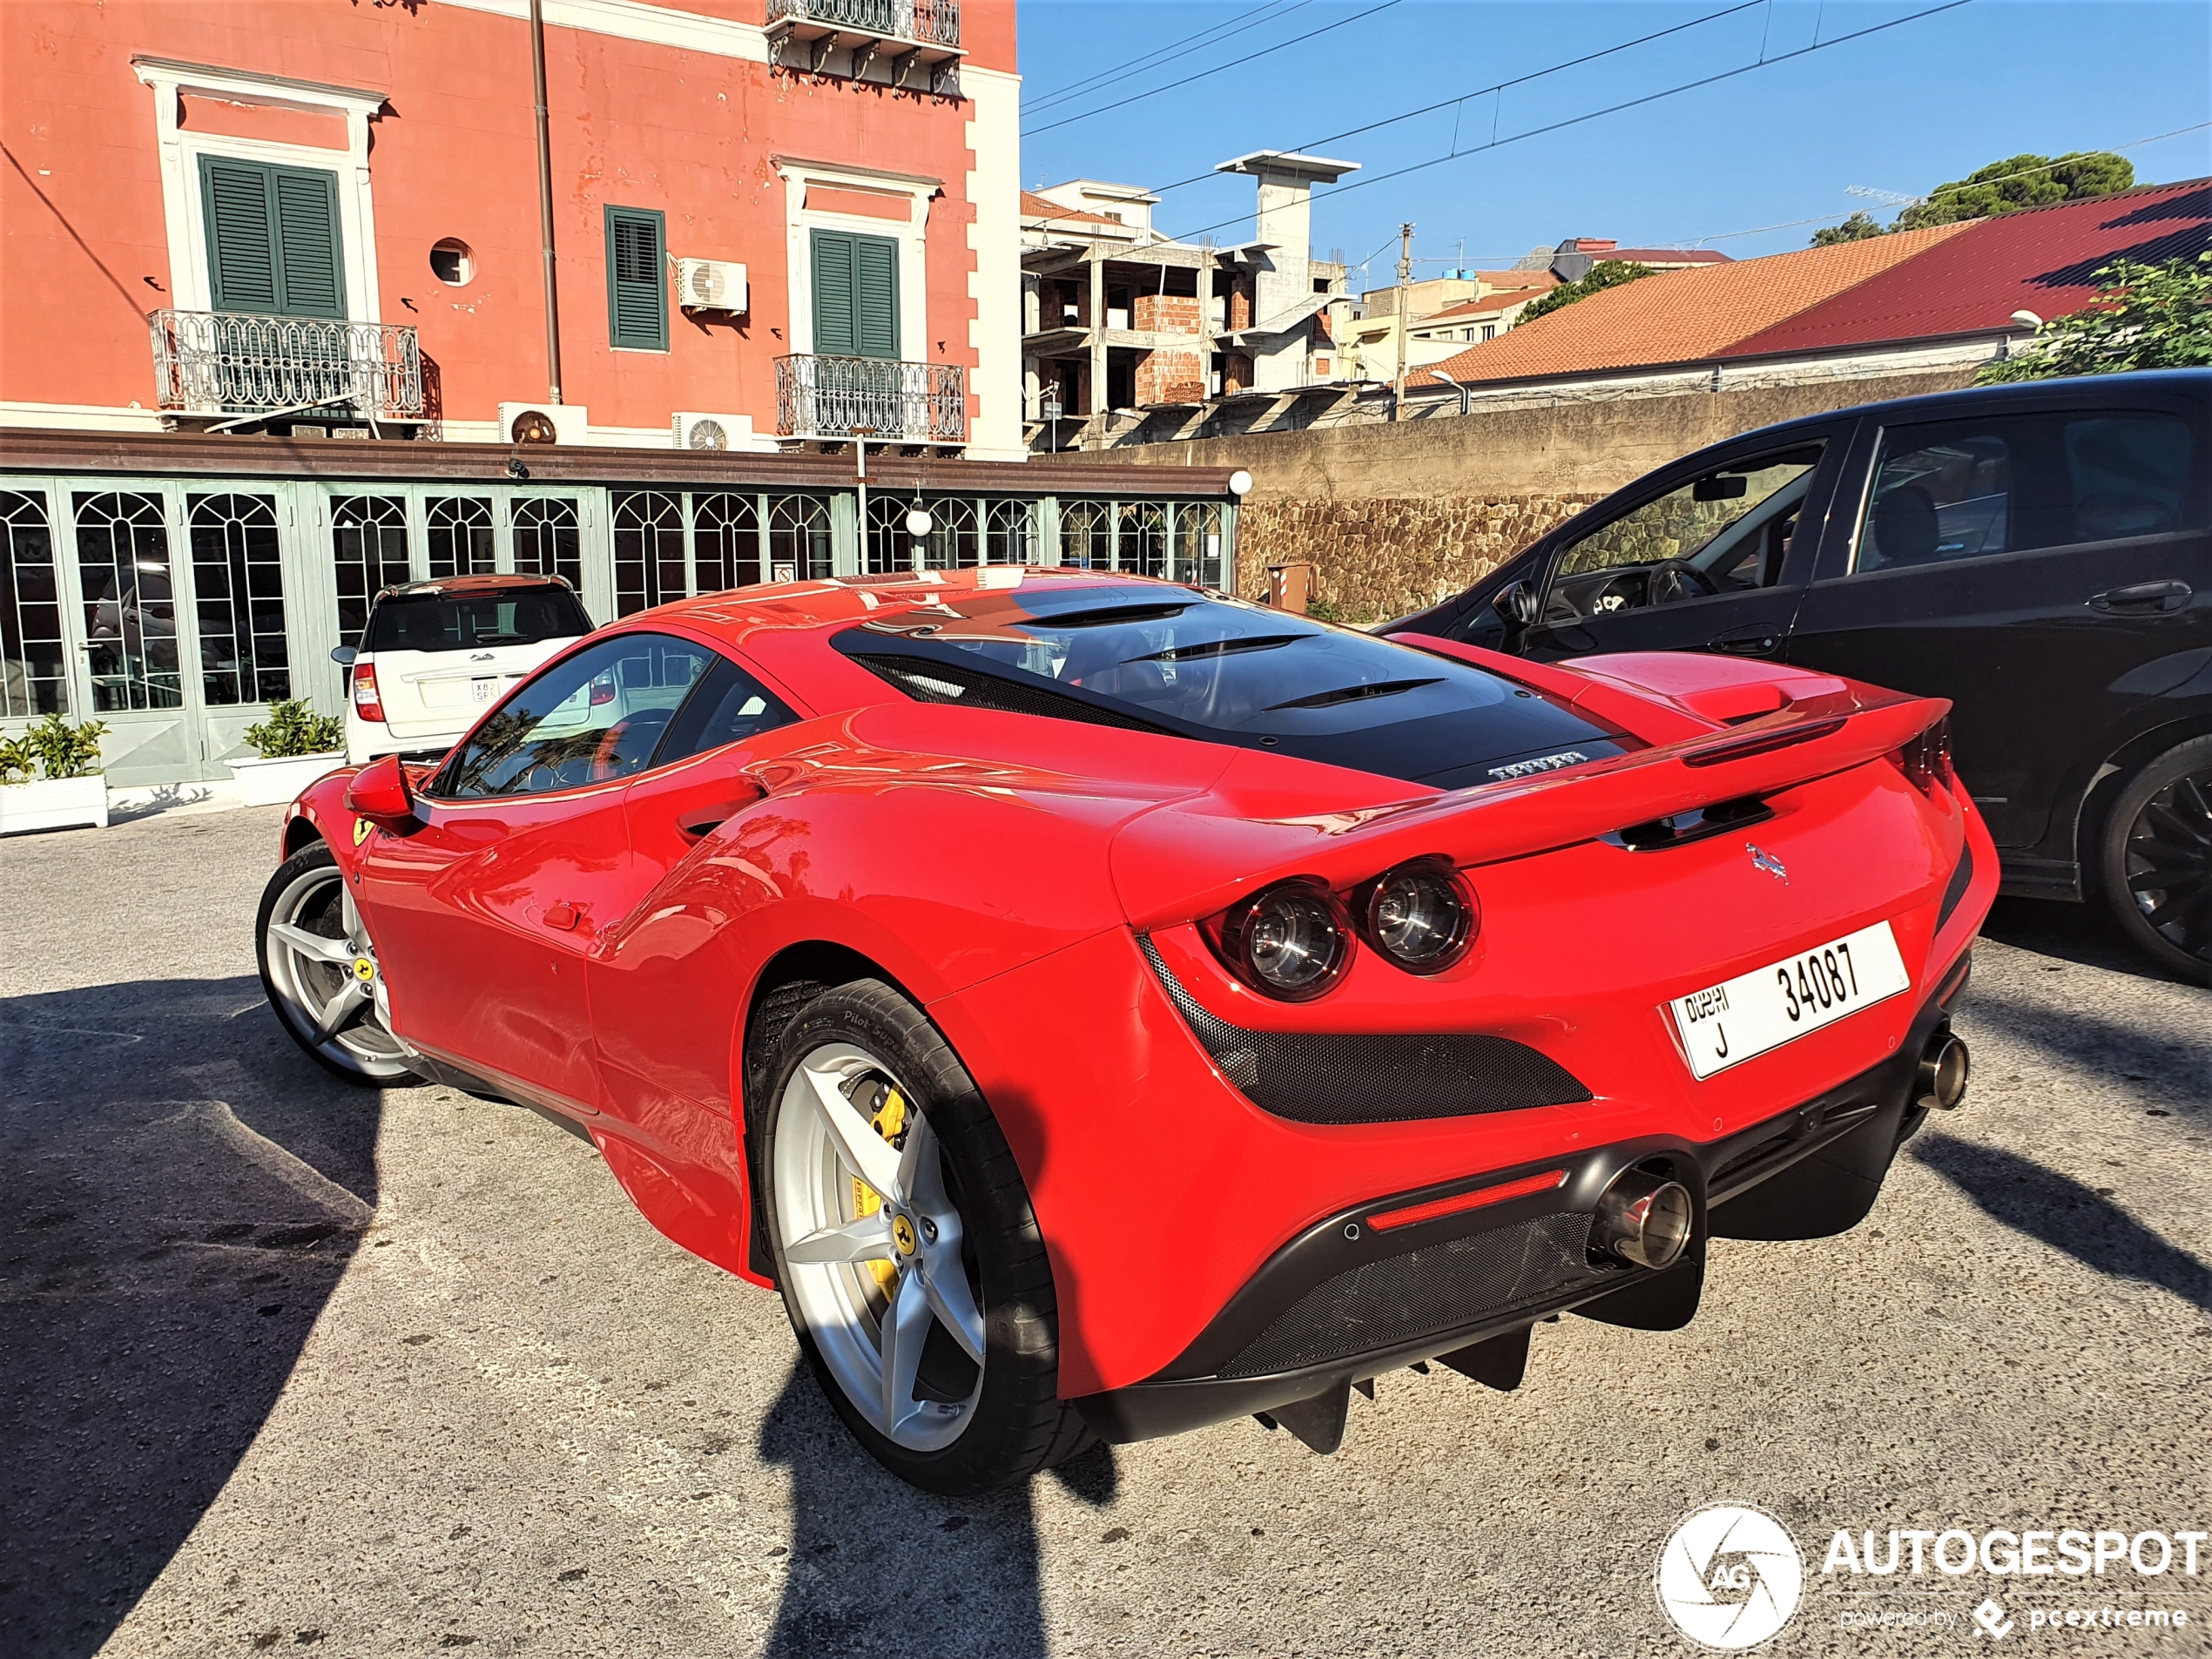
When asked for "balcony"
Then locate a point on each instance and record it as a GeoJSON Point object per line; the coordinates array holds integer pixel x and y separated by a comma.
{"type": "Point", "coordinates": [918, 39]}
{"type": "Point", "coordinates": [234, 363]}
{"type": "Point", "coordinates": [871, 398]}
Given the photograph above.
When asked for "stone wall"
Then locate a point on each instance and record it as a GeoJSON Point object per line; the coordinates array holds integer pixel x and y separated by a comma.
{"type": "Point", "coordinates": [1395, 516]}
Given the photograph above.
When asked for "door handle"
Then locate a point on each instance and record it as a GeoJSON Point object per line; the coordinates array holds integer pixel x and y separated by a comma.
{"type": "Point", "coordinates": [1748, 643]}
{"type": "Point", "coordinates": [2143, 598]}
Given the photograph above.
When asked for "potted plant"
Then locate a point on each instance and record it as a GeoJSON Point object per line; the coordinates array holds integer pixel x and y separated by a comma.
{"type": "Point", "coordinates": [294, 747]}
{"type": "Point", "coordinates": [50, 777]}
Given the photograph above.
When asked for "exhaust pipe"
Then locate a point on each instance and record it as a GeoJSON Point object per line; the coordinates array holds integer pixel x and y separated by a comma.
{"type": "Point", "coordinates": [1944, 1066]}
{"type": "Point", "coordinates": [1643, 1219]}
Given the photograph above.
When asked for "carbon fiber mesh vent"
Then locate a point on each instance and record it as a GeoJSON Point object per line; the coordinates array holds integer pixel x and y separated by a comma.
{"type": "Point", "coordinates": [1318, 1079]}
{"type": "Point", "coordinates": [928, 680]}
{"type": "Point", "coordinates": [1402, 1298]}
{"type": "Point", "coordinates": [1961, 878]}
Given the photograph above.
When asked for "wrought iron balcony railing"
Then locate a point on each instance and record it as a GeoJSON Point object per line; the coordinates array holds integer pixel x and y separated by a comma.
{"type": "Point", "coordinates": [933, 23]}
{"type": "Point", "coordinates": [223, 362]}
{"type": "Point", "coordinates": [870, 397]}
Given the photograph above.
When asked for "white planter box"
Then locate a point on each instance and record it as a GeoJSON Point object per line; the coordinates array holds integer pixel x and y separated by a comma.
{"type": "Point", "coordinates": [53, 803]}
{"type": "Point", "coordinates": [274, 783]}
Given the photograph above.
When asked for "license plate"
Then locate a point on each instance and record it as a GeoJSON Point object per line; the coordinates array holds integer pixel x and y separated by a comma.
{"type": "Point", "coordinates": [1771, 1006]}
{"type": "Point", "coordinates": [483, 689]}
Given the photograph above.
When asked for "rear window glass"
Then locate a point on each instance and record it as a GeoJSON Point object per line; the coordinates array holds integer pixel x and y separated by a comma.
{"type": "Point", "coordinates": [474, 621]}
{"type": "Point", "coordinates": [1191, 664]}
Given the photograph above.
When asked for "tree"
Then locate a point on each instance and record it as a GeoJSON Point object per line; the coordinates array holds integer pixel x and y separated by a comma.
{"type": "Point", "coordinates": [2144, 316]}
{"type": "Point", "coordinates": [1606, 273]}
{"type": "Point", "coordinates": [1857, 228]}
{"type": "Point", "coordinates": [2023, 181]}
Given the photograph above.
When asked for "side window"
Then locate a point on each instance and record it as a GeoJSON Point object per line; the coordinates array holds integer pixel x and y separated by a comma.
{"type": "Point", "coordinates": [1724, 532]}
{"type": "Point", "coordinates": [730, 706]}
{"type": "Point", "coordinates": [592, 717]}
{"type": "Point", "coordinates": [1963, 490]}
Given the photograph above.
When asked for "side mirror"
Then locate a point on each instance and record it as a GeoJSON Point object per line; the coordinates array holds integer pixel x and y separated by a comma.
{"type": "Point", "coordinates": [343, 655]}
{"type": "Point", "coordinates": [1721, 487]}
{"type": "Point", "coordinates": [379, 792]}
{"type": "Point", "coordinates": [1517, 602]}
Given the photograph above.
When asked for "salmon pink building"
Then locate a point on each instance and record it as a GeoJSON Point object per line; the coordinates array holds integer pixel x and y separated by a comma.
{"type": "Point", "coordinates": [302, 298]}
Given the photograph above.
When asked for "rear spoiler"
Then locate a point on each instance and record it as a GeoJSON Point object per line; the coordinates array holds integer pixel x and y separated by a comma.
{"type": "Point", "coordinates": [1196, 856]}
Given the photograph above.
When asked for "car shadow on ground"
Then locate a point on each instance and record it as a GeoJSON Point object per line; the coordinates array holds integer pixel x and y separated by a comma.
{"type": "Point", "coordinates": [870, 1553]}
{"type": "Point", "coordinates": [2087, 935]}
{"type": "Point", "coordinates": [183, 1190]}
{"type": "Point", "coordinates": [2059, 1211]}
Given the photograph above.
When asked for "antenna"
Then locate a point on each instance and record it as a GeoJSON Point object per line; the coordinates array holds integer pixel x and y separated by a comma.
{"type": "Point", "coordinates": [1891, 197]}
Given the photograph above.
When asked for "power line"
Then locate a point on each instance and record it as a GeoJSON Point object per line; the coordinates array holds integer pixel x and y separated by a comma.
{"type": "Point", "coordinates": [1139, 97]}
{"type": "Point", "coordinates": [1500, 89]}
{"type": "Point", "coordinates": [1212, 36]}
{"type": "Point", "coordinates": [1614, 109]}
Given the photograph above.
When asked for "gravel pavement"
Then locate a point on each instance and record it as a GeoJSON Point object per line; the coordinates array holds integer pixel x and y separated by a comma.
{"type": "Point", "coordinates": [291, 1364]}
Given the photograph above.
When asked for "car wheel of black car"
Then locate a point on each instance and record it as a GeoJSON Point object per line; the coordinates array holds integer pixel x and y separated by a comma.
{"type": "Point", "coordinates": [2158, 859]}
{"type": "Point", "coordinates": [319, 971]}
{"type": "Point", "coordinates": [906, 1248]}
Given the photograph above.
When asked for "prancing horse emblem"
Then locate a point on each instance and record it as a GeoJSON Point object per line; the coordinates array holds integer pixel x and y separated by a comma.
{"type": "Point", "coordinates": [1763, 859]}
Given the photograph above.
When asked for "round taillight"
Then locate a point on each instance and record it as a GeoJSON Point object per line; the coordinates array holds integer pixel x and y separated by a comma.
{"type": "Point", "coordinates": [1292, 941]}
{"type": "Point", "coordinates": [1422, 916]}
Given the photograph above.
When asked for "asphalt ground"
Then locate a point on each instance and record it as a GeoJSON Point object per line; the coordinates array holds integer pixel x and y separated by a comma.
{"type": "Point", "coordinates": [290, 1364]}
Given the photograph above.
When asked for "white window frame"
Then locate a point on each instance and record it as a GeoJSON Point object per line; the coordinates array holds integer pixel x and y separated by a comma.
{"type": "Point", "coordinates": [182, 147]}
{"type": "Point", "coordinates": [912, 238]}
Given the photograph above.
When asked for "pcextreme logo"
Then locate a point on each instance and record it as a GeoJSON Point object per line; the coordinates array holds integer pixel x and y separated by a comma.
{"type": "Point", "coordinates": [1730, 1576]}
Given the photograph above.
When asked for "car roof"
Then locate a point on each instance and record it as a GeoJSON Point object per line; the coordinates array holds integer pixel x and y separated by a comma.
{"type": "Point", "coordinates": [437, 586]}
{"type": "Point", "coordinates": [2195, 383]}
{"type": "Point", "coordinates": [837, 602]}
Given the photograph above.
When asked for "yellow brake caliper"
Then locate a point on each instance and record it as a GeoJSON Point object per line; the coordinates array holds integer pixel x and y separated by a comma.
{"type": "Point", "coordinates": [886, 1110]}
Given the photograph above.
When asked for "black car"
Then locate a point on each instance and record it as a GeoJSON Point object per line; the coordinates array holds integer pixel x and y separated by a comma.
{"type": "Point", "coordinates": [2036, 553]}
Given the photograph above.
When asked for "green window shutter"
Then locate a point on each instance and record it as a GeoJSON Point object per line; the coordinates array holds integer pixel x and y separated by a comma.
{"type": "Point", "coordinates": [272, 239]}
{"type": "Point", "coordinates": [309, 268]}
{"type": "Point", "coordinates": [637, 279]}
{"type": "Point", "coordinates": [833, 293]}
{"type": "Point", "coordinates": [875, 296]}
{"type": "Point", "coordinates": [236, 211]}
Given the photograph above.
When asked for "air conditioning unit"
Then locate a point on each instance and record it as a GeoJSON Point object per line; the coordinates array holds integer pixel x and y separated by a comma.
{"type": "Point", "coordinates": [545, 423]}
{"type": "Point", "coordinates": [697, 431]}
{"type": "Point", "coordinates": [711, 284]}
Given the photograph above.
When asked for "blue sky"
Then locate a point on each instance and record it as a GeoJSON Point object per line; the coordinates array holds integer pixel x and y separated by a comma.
{"type": "Point", "coordinates": [1899, 110]}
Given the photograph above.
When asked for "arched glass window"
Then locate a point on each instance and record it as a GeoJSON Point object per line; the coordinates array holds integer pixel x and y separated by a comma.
{"type": "Point", "coordinates": [546, 539]}
{"type": "Point", "coordinates": [726, 542]}
{"type": "Point", "coordinates": [33, 679]}
{"type": "Point", "coordinates": [237, 587]}
{"type": "Point", "coordinates": [460, 536]}
{"type": "Point", "coordinates": [649, 550]}
{"type": "Point", "coordinates": [890, 546]}
{"type": "Point", "coordinates": [1198, 543]}
{"type": "Point", "coordinates": [1007, 538]}
{"type": "Point", "coordinates": [1144, 536]}
{"type": "Point", "coordinates": [955, 537]}
{"type": "Point", "coordinates": [369, 549]}
{"type": "Point", "coordinates": [130, 605]}
{"type": "Point", "coordinates": [1086, 535]}
{"type": "Point", "coordinates": [799, 539]}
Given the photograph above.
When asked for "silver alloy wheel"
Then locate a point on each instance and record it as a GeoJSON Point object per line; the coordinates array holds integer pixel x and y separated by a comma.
{"type": "Point", "coordinates": [871, 1243]}
{"type": "Point", "coordinates": [323, 966]}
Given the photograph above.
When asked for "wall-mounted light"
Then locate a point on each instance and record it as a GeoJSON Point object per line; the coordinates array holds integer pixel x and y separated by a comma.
{"type": "Point", "coordinates": [919, 523]}
{"type": "Point", "coordinates": [1240, 483]}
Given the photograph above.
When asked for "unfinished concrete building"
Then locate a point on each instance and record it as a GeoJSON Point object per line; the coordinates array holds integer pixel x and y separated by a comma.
{"type": "Point", "coordinates": [1124, 329]}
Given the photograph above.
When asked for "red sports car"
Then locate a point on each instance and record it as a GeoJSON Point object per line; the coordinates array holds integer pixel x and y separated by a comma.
{"type": "Point", "coordinates": [1102, 1006]}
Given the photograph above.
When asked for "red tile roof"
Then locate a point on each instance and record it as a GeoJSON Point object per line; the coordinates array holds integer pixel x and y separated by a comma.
{"type": "Point", "coordinates": [2039, 260]}
{"type": "Point", "coordinates": [1038, 207]}
{"type": "Point", "coordinates": [1489, 303]}
{"type": "Point", "coordinates": [1683, 316]}
{"type": "Point", "coordinates": [1668, 256]}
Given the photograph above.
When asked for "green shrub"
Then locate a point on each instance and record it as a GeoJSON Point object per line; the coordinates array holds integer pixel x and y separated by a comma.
{"type": "Point", "coordinates": [52, 749]}
{"type": "Point", "coordinates": [294, 728]}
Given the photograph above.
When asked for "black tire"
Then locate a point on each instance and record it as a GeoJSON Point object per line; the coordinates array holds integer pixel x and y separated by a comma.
{"type": "Point", "coordinates": [309, 886]}
{"type": "Point", "coordinates": [1016, 1424]}
{"type": "Point", "coordinates": [2156, 868]}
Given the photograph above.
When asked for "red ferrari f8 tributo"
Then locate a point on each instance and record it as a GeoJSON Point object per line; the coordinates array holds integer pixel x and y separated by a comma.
{"type": "Point", "coordinates": [1103, 1007]}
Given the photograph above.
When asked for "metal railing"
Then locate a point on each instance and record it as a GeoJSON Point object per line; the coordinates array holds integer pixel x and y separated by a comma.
{"type": "Point", "coordinates": [223, 362]}
{"type": "Point", "coordinates": [935, 22]}
{"type": "Point", "coordinates": [842, 397]}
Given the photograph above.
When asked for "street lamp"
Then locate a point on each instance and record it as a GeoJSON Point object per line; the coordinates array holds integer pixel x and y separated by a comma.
{"type": "Point", "coordinates": [1466, 392]}
{"type": "Point", "coordinates": [1048, 409]}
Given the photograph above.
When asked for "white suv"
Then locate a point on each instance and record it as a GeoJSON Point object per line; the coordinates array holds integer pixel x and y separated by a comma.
{"type": "Point", "coordinates": [436, 655]}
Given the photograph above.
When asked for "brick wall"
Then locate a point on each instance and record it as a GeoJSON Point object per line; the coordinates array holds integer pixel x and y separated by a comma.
{"type": "Point", "coordinates": [1170, 376]}
{"type": "Point", "coordinates": [1375, 559]}
{"type": "Point", "coordinates": [1166, 313]}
